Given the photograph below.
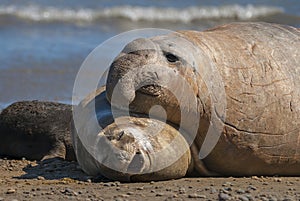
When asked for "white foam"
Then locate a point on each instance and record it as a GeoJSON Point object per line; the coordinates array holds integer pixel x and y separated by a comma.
{"type": "Point", "coordinates": [136, 13]}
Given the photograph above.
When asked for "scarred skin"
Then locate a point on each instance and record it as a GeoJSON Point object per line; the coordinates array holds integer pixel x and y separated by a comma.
{"type": "Point", "coordinates": [259, 68]}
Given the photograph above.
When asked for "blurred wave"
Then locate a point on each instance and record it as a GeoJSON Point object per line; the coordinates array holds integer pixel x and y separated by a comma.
{"type": "Point", "coordinates": [137, 13]}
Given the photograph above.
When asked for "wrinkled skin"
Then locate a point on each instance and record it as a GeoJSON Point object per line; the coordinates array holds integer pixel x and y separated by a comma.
{"type": "Point", "coordinates": [259, 68]}
{"type": "Point", "coordinates": [236, 85]}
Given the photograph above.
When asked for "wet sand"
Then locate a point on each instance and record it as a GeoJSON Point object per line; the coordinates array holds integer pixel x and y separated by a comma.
{"type": "Point", "coordinates": [56, 179]}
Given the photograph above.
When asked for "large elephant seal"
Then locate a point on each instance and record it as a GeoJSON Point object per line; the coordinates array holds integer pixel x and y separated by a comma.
{"type": "Point", "coordinates": [36, 130]}
{"type": "Point", "coordinates": [245, 78]}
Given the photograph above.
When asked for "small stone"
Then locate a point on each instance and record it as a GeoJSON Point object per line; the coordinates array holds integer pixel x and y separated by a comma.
{"type": "Point", "coordinates": [130, 193]}
{"type": "Point", "coordinates": [278, 179]}
{"type": "Point", "coordinates": [272, 198]}
{"type": "Point", "coordinates": [69, 192]}
{"type": "Point", "coordinates": [250, 197]}
{"type": "Point", "coordinates": [251, 187]}
{"type": "Point", "coordinates": [227, 189]}
{"type": "Point", "coordinates": [227, 184]}
{"type": "Point", "coordinates": [243, 198]}
{"type": "Point", "coordinates": [224, 191]}
{"type": "Point", "coordinates": [182, 190]}
{"type": "Point", "coordinates": [159, 194]}
{"type": "Point", "coordinates": [140, 188]}
{"type": "Point", "coordinates": [195, 195]}
{"type": "Point", "coordinates": [1, 198]}
{"type": "Point", "coordinates": [240, 191]}
{"type": "Point", "coordinates": [223, 197]}
{"type": "Point", "coordinates": [152, 182]}
{"type": "Point", "coordinates": [107, 184]}
{"type": "Point", "coordinates": [287, 198]}
{"type": "Point", "coordinates": [213, 190]}
{"type": "Point", "coordinates": [124, 196]}
{"type": "Point", "coordinates": [10, 191]}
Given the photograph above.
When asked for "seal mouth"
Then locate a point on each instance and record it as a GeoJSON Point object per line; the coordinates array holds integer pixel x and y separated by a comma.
{"type": "Point", "coordinates": [128, 150]}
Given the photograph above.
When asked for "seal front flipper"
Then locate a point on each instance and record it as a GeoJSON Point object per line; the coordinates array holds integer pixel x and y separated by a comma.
{"type": "Point", "coordinates": [58, 151]}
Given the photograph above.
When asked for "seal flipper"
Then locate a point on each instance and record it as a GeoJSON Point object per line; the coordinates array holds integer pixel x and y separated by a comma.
{"type": "Point", "coordinates": [198, 167]}
{"type": "Point", "coordinates": [58, 151]}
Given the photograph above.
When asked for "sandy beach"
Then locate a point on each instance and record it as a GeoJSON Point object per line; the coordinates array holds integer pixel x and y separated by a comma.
{"type": "Point", "coordinates": [60, 180]}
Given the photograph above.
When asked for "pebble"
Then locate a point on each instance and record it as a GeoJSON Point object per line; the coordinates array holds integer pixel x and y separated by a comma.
{"type": "Point", "coordinates": [227, 189]}
{"type": "Point", "coordinates": [227, 184]}
{"type": "Point", "coordinates": [1, 198]}
{"type": "Point", "coordinates": [40, 178]}
{"type": "Point", "coordinates": [251, 187]}
{"type": "Point", "coordinates": [182, 190]}
{"type": "Point", "coordinates": [124, 196]}
{"type": "Point", "coordinates": [69, 192]}
{"type": "Point", "coordinates": [140, 188]}
{"type": "Point", "coordinates": [250, 197]}
{"type": "Point", "coordinates": [195, 195]}
{"type": "Point", "coordinates": [213, 190]}
{"type": "Point", "coordinates": [240, 191]}
{"type": "Point", "coordinates": [223, 197]}
{"type": "Point", "coordinates": [243, 198]}
{"type": "Point", "coordinates": [10, 191]}
{"type": "Point", "coordinates": [159, 194]}
{"type": "Point", "coordinates": [278, 179]}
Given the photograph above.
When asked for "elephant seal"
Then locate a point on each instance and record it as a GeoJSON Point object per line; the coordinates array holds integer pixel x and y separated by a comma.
{"type": "Point", "coordinates": [244, 79]}
{"type": "Point", "coordinates": [128, 146]}
{"type": "Point", "coordinates": [36, 130]}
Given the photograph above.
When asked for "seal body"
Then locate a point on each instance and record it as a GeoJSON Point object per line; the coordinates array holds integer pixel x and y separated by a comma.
{"type": "Point", "coordinates": [245, 77]}
{"type": "Point", "coordinates": [36, 130]}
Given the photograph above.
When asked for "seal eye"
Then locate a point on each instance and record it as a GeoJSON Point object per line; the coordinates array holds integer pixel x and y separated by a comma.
{"type": "Point", "coordinates": [171, 57]}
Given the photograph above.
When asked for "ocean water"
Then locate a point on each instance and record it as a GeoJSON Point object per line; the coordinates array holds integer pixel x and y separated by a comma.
{"type": "Point", "coordinates": [43, 43]}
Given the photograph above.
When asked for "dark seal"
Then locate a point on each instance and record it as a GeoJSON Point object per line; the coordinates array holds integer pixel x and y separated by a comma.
{"type": "Point", "coordinates": [36, 130]}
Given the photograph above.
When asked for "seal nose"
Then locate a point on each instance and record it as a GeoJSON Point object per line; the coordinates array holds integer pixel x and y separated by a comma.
{"type": "Point", "coordinates": [139, 44]}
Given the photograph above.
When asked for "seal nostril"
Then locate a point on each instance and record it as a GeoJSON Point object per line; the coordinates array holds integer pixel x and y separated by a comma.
{"type": "Point", "coordinates": [171, 57]}
{"type": "Point", "coordinates": [120, 135]}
